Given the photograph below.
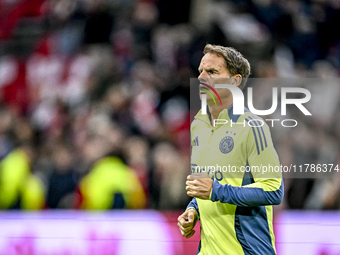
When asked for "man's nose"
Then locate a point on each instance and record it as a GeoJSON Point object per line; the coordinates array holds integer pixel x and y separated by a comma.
{"type": "Point", "coordinates": [202, 76]}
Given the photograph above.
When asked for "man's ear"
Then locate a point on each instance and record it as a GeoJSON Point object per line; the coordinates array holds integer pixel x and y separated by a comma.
{"type": "Point", "coordinates": [237, 79]}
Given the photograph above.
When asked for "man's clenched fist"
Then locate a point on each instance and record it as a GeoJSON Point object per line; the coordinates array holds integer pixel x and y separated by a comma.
{"type": "Point", "coordinates": [199, 185]}
{"type": "Point", "coordinates": [186, 222]}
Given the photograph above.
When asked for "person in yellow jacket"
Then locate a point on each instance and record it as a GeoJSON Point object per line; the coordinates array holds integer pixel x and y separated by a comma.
{"type": "Point", "coordinates": [111, 185]}
{"type": "Point", "coordinates": [19, 188]}
{"type": "Point", "coordinates": [231, 199]}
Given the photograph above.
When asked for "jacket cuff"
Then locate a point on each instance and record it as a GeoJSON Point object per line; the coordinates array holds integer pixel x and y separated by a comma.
{"type": "Point", "coordinates": [197, 215]}
{"type": "Point", "coordinates": [216, 189]}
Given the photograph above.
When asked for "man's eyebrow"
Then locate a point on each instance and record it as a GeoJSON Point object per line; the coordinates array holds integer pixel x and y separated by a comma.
{"type": "Point", "coordinates": [209, 69]}
{"type": "Point", "coordinates": [212, 69]}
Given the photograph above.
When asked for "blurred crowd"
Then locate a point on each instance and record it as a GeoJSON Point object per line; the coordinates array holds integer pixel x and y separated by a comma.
{"type": "Point", "coordinates": [94, 96]}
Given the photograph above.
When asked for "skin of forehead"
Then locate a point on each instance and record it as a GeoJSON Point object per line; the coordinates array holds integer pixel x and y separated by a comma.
{"type": "Point", "coordinates": [213, 64]}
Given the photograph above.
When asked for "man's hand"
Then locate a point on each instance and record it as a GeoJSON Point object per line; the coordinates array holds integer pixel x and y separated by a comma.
{"type": "Point", "coordinates": [199, 187]}
{"type": "Point", "coordinates": [186, 223]}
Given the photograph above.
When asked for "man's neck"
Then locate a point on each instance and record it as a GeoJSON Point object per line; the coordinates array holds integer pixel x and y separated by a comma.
{"type": "Point", "coordinates": [215, 110]}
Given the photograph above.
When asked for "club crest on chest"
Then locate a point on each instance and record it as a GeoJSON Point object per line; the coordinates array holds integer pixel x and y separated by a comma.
{"type": "Point", "coordinates": [226, 144]}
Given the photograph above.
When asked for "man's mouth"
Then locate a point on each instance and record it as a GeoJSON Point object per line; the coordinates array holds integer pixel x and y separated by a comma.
{"type": "Point", "coordinates": [203, 87]}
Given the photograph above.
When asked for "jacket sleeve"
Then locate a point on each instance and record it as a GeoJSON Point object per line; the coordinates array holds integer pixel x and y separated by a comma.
{"type": "Point", "coordinates": [263, 171]}
{"type": "Point", "coordinates": [193, 204]}
{"type": "Point", "coordinates": [246, 196]}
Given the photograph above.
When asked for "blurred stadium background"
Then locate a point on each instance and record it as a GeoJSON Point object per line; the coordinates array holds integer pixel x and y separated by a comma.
{"type": "Point", "coordinates": [94, 117]}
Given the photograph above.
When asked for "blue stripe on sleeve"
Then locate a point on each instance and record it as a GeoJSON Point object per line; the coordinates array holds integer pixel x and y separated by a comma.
{"type": "Point", "coordinates": [258, 130]}
{"type": "Point", "coordinates": [265, 140]}
{"type": "Point", "coordinates": [264, 137]}
{"type": "Point", "coordinates": [193, 203]}
{"type": "Point", "coordinates": [244, 196]}
{"type": "Point", "coordinates": [257, 146]}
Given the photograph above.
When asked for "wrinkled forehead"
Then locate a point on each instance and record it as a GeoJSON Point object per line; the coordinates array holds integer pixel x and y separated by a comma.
{"type": "Point", "coordinates": [212, 61]}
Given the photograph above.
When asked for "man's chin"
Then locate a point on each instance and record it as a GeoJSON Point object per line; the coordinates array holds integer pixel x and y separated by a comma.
{"type": "Point", "coordinates": [210, 102]}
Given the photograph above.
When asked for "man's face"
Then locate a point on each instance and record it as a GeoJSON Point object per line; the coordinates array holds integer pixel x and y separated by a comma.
{"type": "Point", "coordinates": [213, 71]}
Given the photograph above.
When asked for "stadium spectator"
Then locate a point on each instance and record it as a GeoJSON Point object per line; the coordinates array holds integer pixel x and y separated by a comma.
{"type": "Point", "coordinates": [63, 180]}
{"type": "Point", "coordinates": [111, 185]}
{"type": "Point", "coordinates": [19, 188]}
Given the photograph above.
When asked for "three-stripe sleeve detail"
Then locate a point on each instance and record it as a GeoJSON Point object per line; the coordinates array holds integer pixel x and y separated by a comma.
{"type": "Point", "coordinates": [259, 135]}
{"type": "Point", "coordinates": [257, 145]}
